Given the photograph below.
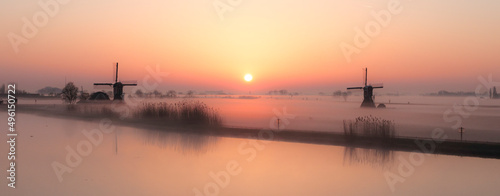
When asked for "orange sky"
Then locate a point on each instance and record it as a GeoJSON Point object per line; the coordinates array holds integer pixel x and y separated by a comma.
{"type": "Point", "coordinates": [294, 45]}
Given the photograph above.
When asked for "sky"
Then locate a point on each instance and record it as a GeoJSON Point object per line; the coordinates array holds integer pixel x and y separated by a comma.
{"type": "Point", "coordinates": [299, 45]}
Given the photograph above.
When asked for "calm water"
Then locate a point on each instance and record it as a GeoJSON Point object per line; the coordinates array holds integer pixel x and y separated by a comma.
{"type": "Point", "coordinates": [132, 161]}
{"type": "Point", "coordinates": [419, 118]}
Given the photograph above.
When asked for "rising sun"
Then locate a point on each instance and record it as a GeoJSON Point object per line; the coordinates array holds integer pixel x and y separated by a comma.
{"type": "Point", "coordinates": [248, 77]}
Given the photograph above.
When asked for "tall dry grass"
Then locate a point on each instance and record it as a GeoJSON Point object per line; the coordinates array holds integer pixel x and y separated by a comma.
{"type": "Point", "coordinates": [187, 112]}
{"type": "Point", "coordinates": [369, 126]}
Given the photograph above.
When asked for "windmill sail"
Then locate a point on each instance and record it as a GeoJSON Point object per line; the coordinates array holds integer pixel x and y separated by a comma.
{"type": "Point", "coordinates": [367, 91]}
{"type": "Point", "coordinates": [117, 86]}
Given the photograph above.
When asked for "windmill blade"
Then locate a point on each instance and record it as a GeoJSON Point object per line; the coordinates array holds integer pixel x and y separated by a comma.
{"type": "Point", "coordinates": [130, 83]}
{"type": "Point", "coordinates": [103, 84]}
{"type": "Point", "coordinates": [115, 72]}
{"type": "Point", "coordinates": [378, 85]}
{"type": "Point", "coordinates": [350, 88]}
{"type": "Point", "coordinates": [365, 78]}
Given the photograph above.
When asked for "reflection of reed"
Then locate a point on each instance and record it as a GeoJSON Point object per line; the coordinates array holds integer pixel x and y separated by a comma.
{"type": "Point", "coordinates": [94, 110]}
{"type": "Point", "coordinates": [369, 128]}
{"type": "Point", "coordinates": [181, 142]}
{"type": "Point", "coordinates": [375, 157]}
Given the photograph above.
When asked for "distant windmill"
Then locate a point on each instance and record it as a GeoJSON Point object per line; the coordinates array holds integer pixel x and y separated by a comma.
{"type": "Point", "coordinates": [367, 92]}
{"type": "Point", "coordinates": [117, 86]}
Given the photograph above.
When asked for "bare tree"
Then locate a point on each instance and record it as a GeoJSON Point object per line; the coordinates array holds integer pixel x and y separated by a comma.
{"type": "Point", "coordinates": [84, 95]}
{"type": "Point", "coordinates": [70, 92]}
{"type": "Point", "coordinates": [157, 93]}
{"type": "Point", "coordinates": [139, 93]}
{"type": "Point", "coordinates": [345, 95]}
{"type": "Point", "coordinates": [190, 94]}
{"type": "Point", "coordinates": [171, 94]}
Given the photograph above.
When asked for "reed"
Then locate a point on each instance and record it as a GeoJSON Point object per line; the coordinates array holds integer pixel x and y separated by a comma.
{"type": "Point", "coordinates": [369, 126]}
{"type": "Point", "coordinates": [187, 112]}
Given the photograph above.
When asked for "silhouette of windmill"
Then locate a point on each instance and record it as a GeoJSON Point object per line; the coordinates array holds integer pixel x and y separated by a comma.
{"type": "Point", "coordinates": [117, 86]}
{"type": "Point", "coordinates": [367, 92]}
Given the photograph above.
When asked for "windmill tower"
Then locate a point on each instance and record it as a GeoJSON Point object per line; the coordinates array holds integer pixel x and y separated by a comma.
{"type": "Point", "coordinates": [117, 86]}
{"type": "Point", "coordinates": [367, 92]}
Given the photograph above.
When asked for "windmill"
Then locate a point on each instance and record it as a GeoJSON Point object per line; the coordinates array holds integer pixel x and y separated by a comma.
{"type": "Point", "coordinates": [367, 92]}
{"type": "Point", "coordinates": [117, 86]}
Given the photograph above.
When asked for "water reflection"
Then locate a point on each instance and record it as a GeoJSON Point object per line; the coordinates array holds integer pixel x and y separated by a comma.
{"type": "Point", "coordinates": [377, 157]}
{"type": "Point", "coordinates": [186, 143]}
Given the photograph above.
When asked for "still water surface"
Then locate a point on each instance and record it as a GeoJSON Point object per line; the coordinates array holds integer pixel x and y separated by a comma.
{"type": "Point", "coordinates": [132, 161]}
